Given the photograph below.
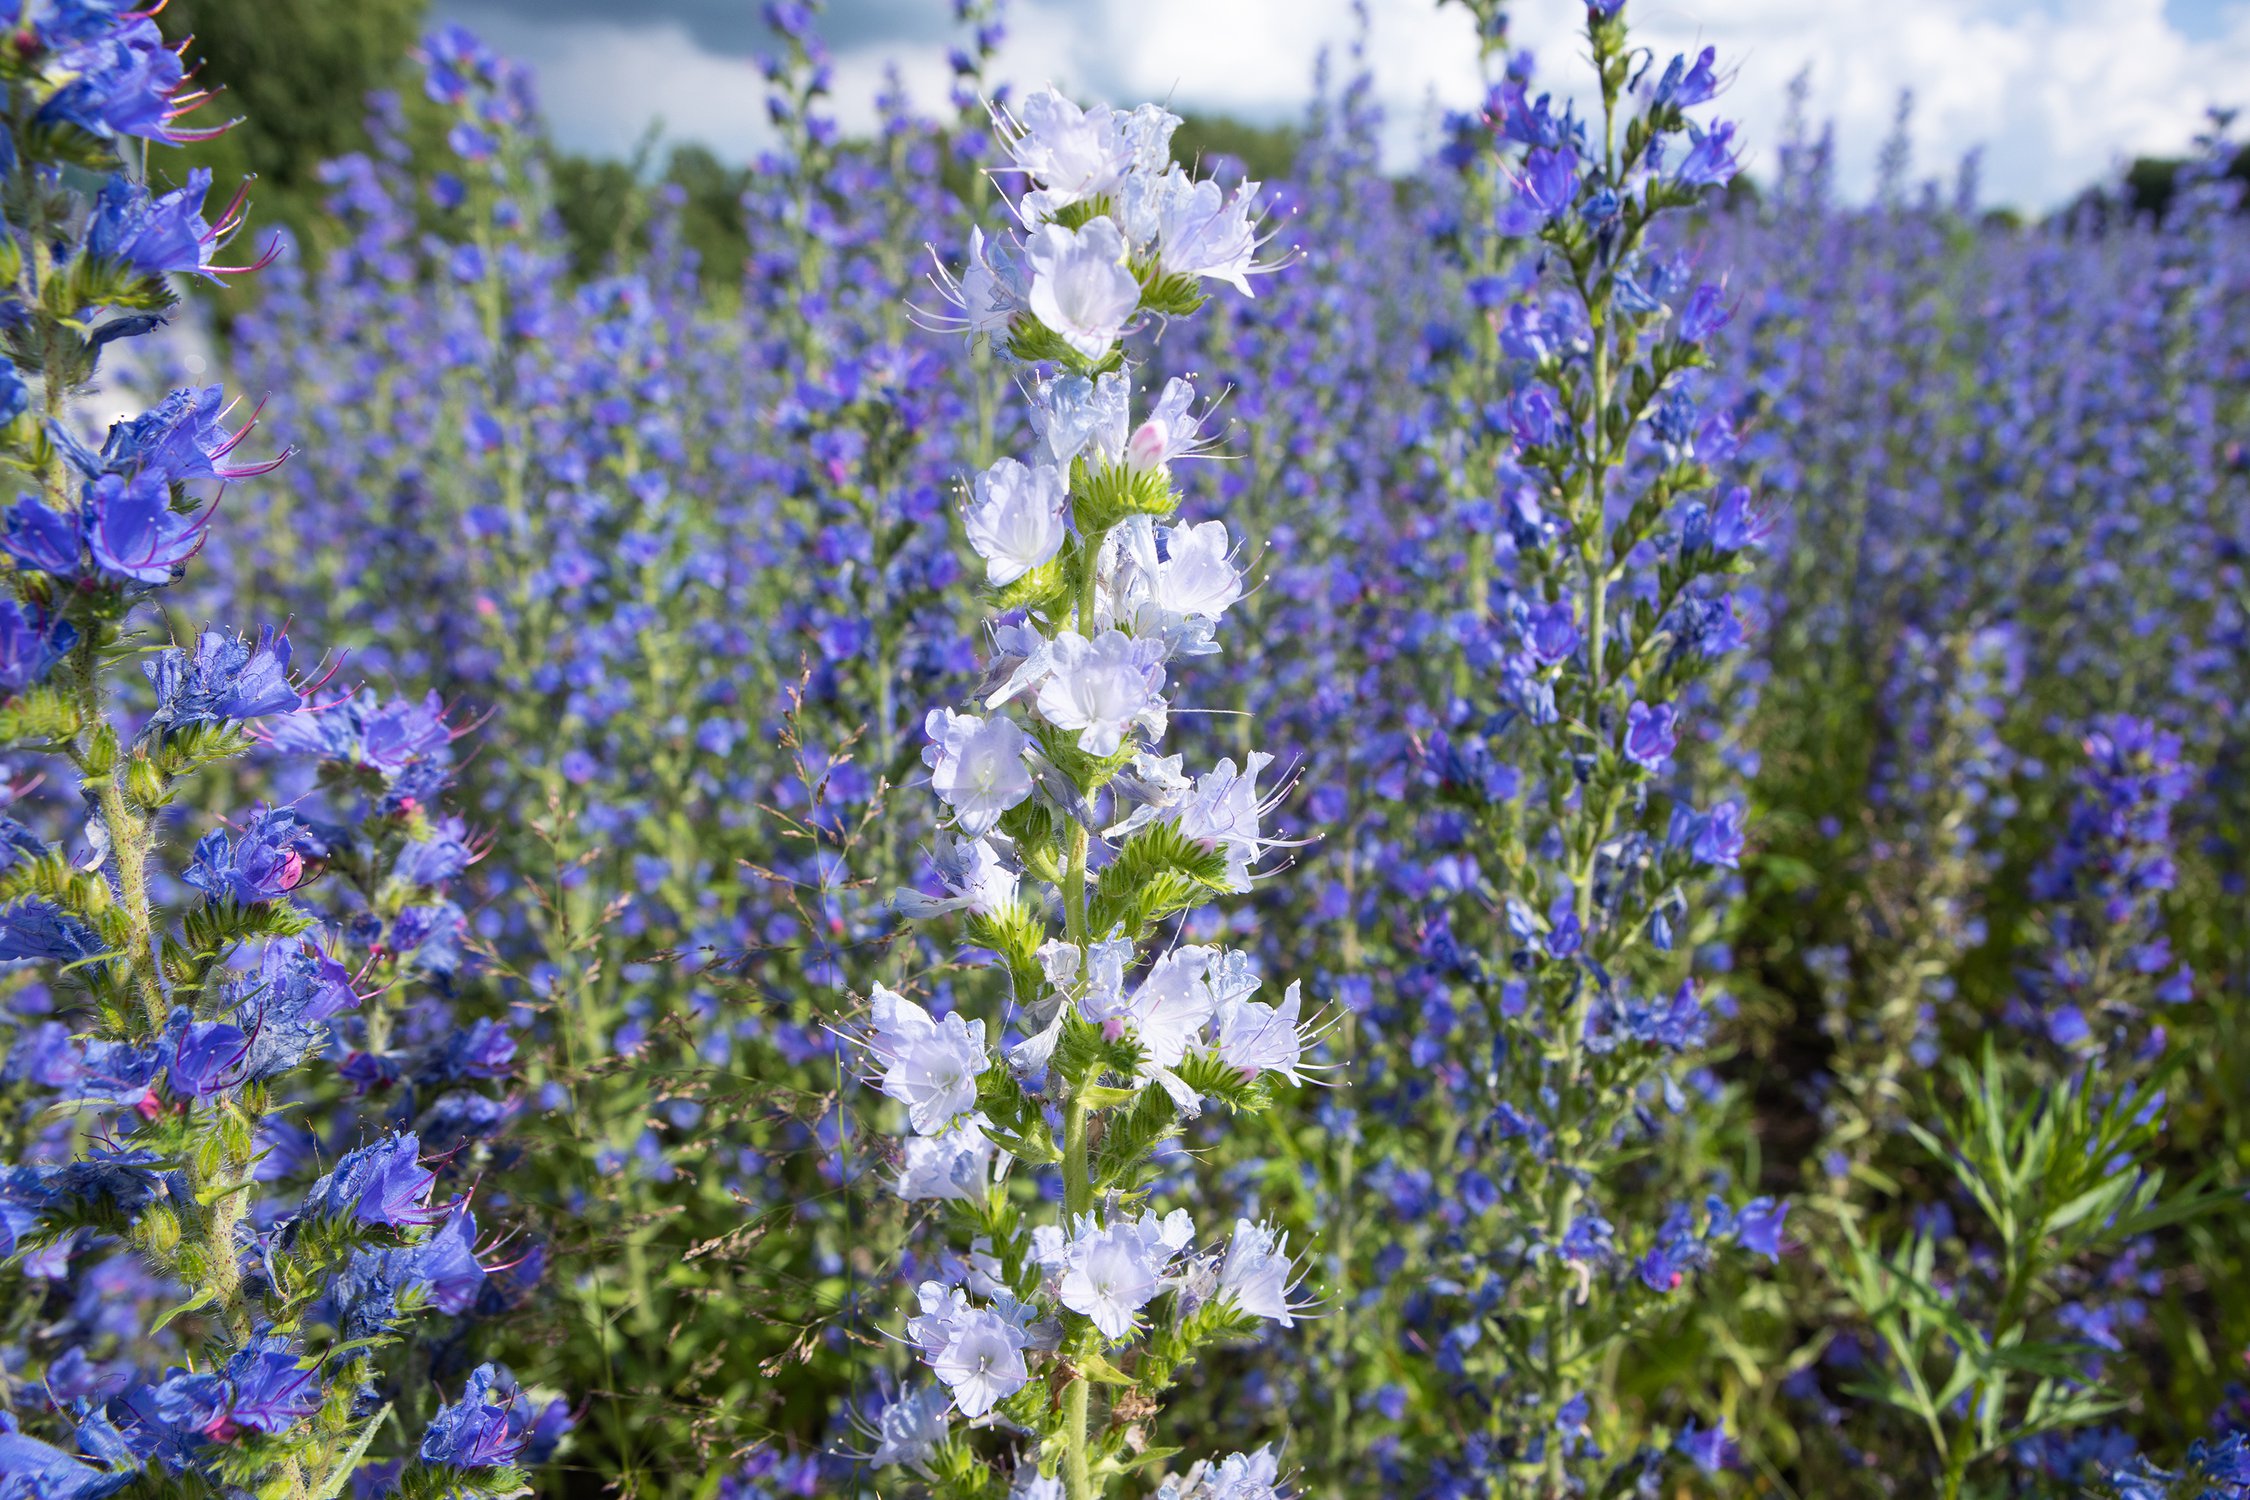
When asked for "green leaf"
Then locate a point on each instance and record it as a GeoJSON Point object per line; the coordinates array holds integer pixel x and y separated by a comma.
{"type": "Point", "coordinates": [1099, 1370]}
{"type": "Point", "coordinates": [203, 1298]}
{"type": "Point", "coordinates": [333, 1485]}
{"type": "Point", "coordinates": [1157, 872]}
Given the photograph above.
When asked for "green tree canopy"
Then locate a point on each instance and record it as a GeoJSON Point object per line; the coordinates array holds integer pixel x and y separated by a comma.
{"type": "Point", "coordinates": [297, 74]}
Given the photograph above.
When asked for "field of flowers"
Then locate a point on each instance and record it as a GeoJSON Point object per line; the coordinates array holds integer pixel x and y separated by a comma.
{"type": "Point", "coordinates": [1542, 827]}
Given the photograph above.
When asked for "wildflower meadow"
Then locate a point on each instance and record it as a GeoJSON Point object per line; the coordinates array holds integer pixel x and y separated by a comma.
{"type": "Point", "coordinates": [1025, 818]}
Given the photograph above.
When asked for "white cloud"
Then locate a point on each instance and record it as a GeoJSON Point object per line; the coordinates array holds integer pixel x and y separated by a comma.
{"type": "Point", "coordinates": [2055, 91]}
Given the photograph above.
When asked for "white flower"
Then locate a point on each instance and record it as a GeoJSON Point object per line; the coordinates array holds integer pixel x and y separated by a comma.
{"type": "Point", "coordinates": [984, 1269]}
{"type": "Point", "coordinates": [1239, 1476]}
{"type": "Point", "coordinates": [1032, 1485]}
{"type": "Point", "coordinates": [1106, 963]}
{"type": "Point", "coordinates": [1073, 153]}
{"type": "Point", "coordinates": [1110, 1272]}
{"type": "Point", "coordinates": [981, 1361]}
{"type": "Point", "coordinates": [942, 1309]}
{"type": "Point", "coordinates": [989, 292]}
{"type": "Point", "coordinates": [1196, 577]}
{"type": "Point", "coordinates": [1166, 1014]}
{"type": "Point", "coordinates": [1170, 584]}
{"type": "Point", "coordinates": [977, 766]}
{"type": "Point", "coordinates": [976, 1351]}
{"type": "Point", "coordinates": [1111, 1278]}
{"type": "Point", "coordinates": [929, 1066]}
{"type": "Point", "coordinates": [1172, 1005]}
{"type": "Point", "coordinates": [1171, 431]}
{"type": "Point", "coordinates": [1104, 688]}
{"type": "Point", "coordinates": [1257, 1273]}
{"type": "Point", "coordinates": [1233, 975]}
{"type": "Point", "coordinates": [1140, 206]}
{"type": "Point", "coordinates": [1245, 1476]}
{"type": "Point", "coordinates": [1256, 1038]}
{"type": "Point", "coordinates": [1016, 523]}
{"type": "Point", "coordinates": [1021, 659]}
{"type": "Point", "coordinates": [974, 878]}
{"type": "Point", "coordinates": [1073, 413]}
{"type": "Point", "coordinates": [1147, 133]}
{"type": "Point", "coordinates": [1097, 974]}
{"type": "Point", "coordinates": [1202, 232]}
{"type": "Point", "coordinates": [911, 1427]}
{"type": "Point", "coordinates": [1224, 813]}
{"type": "Point", "coordinates": [1080, 285]}
{"type": "Point", "coordinates": [1061, 961]}
{"type": "Point", "coordinates": [956, 1163]}
{"type": "Point", "coordinates": [1154, 786]}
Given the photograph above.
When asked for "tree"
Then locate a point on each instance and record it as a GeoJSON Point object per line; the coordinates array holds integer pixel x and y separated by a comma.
{"type": "Point", "coordinates": [297, 73]}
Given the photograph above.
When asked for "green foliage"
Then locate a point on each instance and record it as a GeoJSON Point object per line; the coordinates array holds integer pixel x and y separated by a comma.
{"type": "Point", "coordinates": [295, 74]}
{"type": "Point", "coordinates": [1156, 873]}
{"type": "Point", "coordinates": [2061, 1175]}
{"type": "Point", "coordinates": [602, 206]}
{"type": "Point", "coordinates": [1267, 152]}
{"type": "Point", "coordinates": [1104, 494]}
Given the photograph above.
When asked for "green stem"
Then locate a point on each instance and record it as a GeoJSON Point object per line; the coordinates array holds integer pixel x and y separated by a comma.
{"type": "Point", "coordinates": [1074, 888]}
{"type": "Point", "coordinates": [128, 835]}
{"type": "Point", "coordinates": [1088, 575]}
{"type": "Point", "coordinates": [1957, 1462]}
{"type": "Point", "coordinates": [1077, 1471]}
{"type": "Point", "coordinates": [1078, 1198]}
{"type": "Point", "coordinates": [1078, 1184]}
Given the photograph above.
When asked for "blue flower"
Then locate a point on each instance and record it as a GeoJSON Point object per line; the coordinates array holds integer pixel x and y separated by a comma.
{"type": "Point", "coordinates": [287, 1004]}
{"type": "Point", "coordinates": [265, 862]}
{"type": "Point", "coordinates": [1737, 524]}
{"type": "Point", "coordinates": [362, 1302]}
{"type": "Point", "coordinates": [1709, 161]}
{"type": "Point", "coordinates": [1651, 734]}
{"type": "Point", "coordinates": [273, 1391]}
{"type": "Point", "coordinates": [454, 58]}
{"type": "Point", "coordinates": [43, 539]}
{"type": "Point", "coordinates": [196, 1403]}
{"type": "Point", "coordinates": [1533, 417]}
{"type": "Point", "coordinates": [484, 1049]}
{"type": "Point", "coordinates": [163, 235]}
{"type": "Point", "coordinates": [1705, 314]}
{"type": "Point", "coordinates": [127, 81]}
{"type": "Point", "coordinates": [30, 645]}
{"type": "Point", "coordinates": [1758, 1226]}
{"type": "Point", "coordinates": [209, 1058]}
{"type": "Point", "coordinates": [132, 530]}
{"type": "Point", "coordinates": [1548, 183]}
{"type": "Point", "coordinates": [1718, 837]}
{"type": "Point", "coordinates": [30, 1470]}
{"type": "Point", "coordinates": [119, 1073]}
{"type": "Point", "coordinates": [402, 732]}
{"type": "Point", "coordinates": [38, 929]}
{"type": "Point", "coordinates": [1554, 634]}
{"type": "Point", "coordinates": [432, 935]}
{"type": "Point", "coordinates": [1710, 1450]}
{"type": "Point", "coordinates": [438, 859]}
{"type": "Point", "coordinates": [478, 1431]}
{"type": "Point", "coordinates": [383, 1185]}
{"type": "Point", "coordinates": [66, 23]}
{"type": "Point", "coordinates": [182, 437]}
{"type": "Point", "coordinates": [1590, 1240]}
{"type": "Point", "coordinates": [446, 1264]}
{"type": "Point", "coordinates": [1683, 87]}
{"type": "Point", "coordinates": [227, 679]}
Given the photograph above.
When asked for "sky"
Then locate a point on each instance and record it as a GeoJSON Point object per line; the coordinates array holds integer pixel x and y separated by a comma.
{"type": "Point", "coordinates": [2054, 92]}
